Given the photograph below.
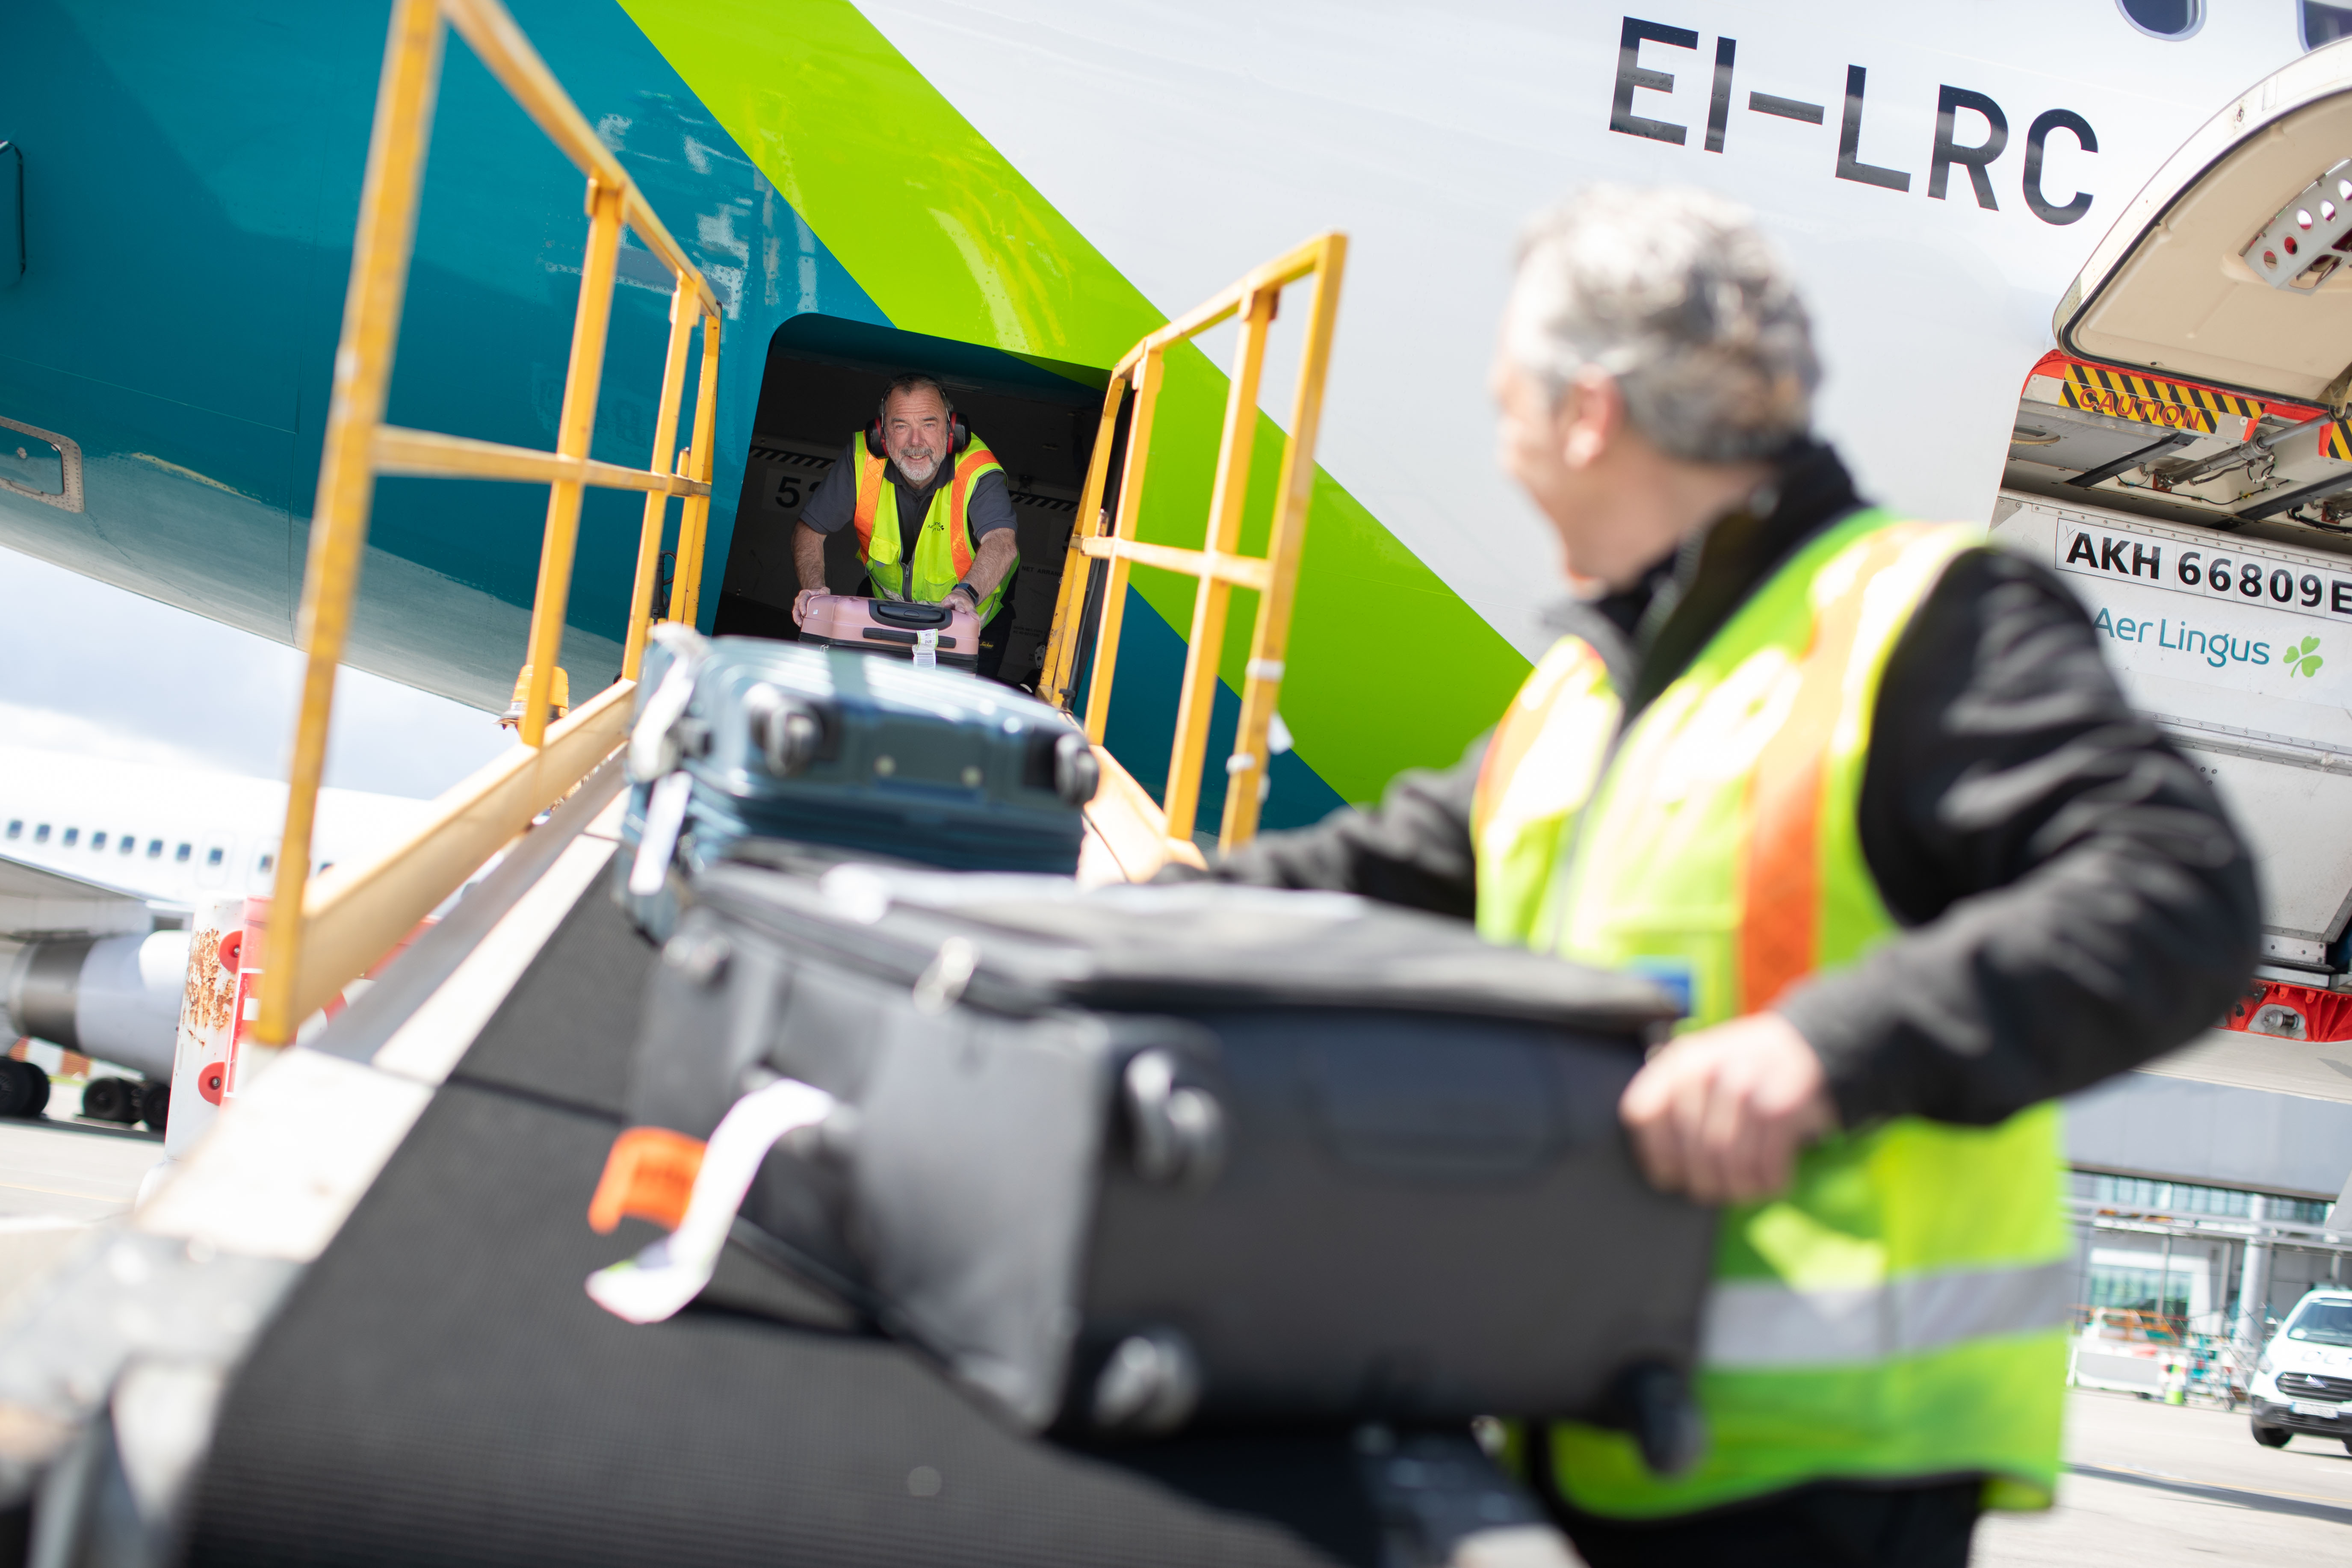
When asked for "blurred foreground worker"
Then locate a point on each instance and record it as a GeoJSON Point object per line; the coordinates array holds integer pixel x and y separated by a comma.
{"type": "Point", "coordinates": [1863, 792]}
{"type": "Point", "coordinates": [927, 499]}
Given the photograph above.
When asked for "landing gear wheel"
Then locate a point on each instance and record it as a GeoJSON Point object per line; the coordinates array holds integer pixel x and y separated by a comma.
{"type": "Point", "coordinates": [23, 1088]}
{"type": "Point", "coordinates": [154, 1103]}
{"type": "Point", "coordinates": [2273, 1436]}
{"type": "Point", "coordinates": [109, 1099]}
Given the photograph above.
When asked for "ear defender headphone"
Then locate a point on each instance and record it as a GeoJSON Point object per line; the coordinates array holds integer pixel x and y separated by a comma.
{"type": "Point", "coordinates": [958, 436]}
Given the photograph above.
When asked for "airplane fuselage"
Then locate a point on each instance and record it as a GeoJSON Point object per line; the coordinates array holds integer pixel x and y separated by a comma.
{"type": "Point", "coordinates": [173, 835]}
{"type": "Point", "coordinates": [1025, 191]}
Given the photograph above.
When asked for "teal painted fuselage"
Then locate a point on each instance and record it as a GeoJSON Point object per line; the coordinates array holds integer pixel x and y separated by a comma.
{"type": "Point", "coordinates": [191, 178]}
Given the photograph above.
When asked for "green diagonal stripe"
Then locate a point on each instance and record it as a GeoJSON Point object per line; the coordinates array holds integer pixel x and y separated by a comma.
{"type": "Point", "coordinates": [1388, 667]}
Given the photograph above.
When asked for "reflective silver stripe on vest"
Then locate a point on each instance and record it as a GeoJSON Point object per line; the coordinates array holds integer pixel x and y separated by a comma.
{"type": "Point", "coordinates": [1760, 1323]}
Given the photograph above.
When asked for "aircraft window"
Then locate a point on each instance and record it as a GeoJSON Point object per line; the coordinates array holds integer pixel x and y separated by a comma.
{"type": "Point", "coordinates": [154, 849]}
{"type": "Point", "coordinates": [2325, 24]}
{"type": "Point", "coordinates": [2164, 19]}
{"type": "Point", "coordinates": [16, 827]}
{"type": "Point", "coordinates": [97, 841]}
{"type": "Point", "coordinates": [130, 842]}
{"type": "Point", "coordinates": [180, 855]}
{"type": "Point", "coordinates": [267, 862]}
{"type": "Point", "coordinates": [72, 837]}
{"type": "Point", "coordinates": [213, 856]}
{"type": "Point", "coordinates": [41, 834]}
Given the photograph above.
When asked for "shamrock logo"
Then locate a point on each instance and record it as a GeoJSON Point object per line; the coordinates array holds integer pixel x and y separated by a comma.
{"type": "Point", "coordinates": [2303, 657]}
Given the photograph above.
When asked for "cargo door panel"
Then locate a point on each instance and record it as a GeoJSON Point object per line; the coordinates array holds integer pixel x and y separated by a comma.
{"type": "Point", "coordinates": [2242, 648]}
{"type": "Point", "coordinates": [2183, 461]}
{"type": "Point", "coordinates": [2178, 287]}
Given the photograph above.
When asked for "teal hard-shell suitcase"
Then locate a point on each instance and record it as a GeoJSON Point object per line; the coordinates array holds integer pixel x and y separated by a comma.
{"type": "Point", "coordinates": [746, 738]}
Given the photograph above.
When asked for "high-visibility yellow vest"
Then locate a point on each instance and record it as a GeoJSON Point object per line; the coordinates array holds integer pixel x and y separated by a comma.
{"type": "Point", "coordinates": [1901, 1312]}
{"type": "Point", "coordinates": [944, 550]}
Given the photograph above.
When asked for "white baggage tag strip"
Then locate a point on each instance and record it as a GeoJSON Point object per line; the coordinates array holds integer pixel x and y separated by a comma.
{"type": "Point", "coordinates": [654, 1285]}
{"type": "Point", "coordinates": [665, 814]}
{"type": "Point", "coordinates": [927, 649]}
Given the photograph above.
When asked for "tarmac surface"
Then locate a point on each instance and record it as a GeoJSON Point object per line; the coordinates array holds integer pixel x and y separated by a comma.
{"type": "Point", "coordinates": [70, 1169]}
{"type": "Point", "coordinates": [57, 1174]}
{"type": "Point", "coordinates": [2152, 1484]}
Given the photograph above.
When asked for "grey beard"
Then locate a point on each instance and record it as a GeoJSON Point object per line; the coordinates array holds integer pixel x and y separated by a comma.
{"type": "Point", "coordinates": [918, 470]}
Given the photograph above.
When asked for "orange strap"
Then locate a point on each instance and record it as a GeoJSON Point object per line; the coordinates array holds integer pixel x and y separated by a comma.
{"type": "Point", "coordinates": [1779, 927]}
{"type": "Point", "coordinates": [869, 498]}
{"type": "Point", "coordinates": [650, 1173]}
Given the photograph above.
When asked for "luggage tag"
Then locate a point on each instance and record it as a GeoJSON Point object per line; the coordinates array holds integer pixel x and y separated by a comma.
{"type": "Point", "coordinates": [927, 649]}
{"type": "Point", "coordinates": [658, 1281]}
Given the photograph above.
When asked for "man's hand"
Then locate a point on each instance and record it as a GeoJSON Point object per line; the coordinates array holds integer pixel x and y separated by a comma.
{"type": "Point", "coordinates": [801, 604]}
{"type": "Point", "coordinates": [1720, 1114]}
{"type": "Point", "coordinates": [969, 595]}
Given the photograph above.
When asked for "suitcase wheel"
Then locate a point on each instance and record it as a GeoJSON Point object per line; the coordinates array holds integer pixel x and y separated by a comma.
{"type": "Point", "coordinates": [1149, 1386]}
{"type": "Point", "coordinates": [1178, 1131]}
{"type": "Point", "coordinates": [790, 730]}
{"type": "Point", "coordinates": [1655, 1404]}
{"type": "Point", "coordinates": [1076, 773]}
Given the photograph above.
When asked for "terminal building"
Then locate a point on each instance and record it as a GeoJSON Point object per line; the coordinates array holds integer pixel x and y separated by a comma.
{"type": "Point", "coordinates": [2177, 1181]}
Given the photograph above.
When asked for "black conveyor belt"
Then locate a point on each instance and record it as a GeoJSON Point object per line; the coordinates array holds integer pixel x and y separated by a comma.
{"type": "Point", "coordinates": [440, 1388]}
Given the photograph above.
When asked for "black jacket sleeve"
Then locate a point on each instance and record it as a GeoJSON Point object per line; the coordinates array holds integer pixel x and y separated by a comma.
{"type": "Point", "coordinates": [2076, 901]}
{"type": "Point", "coordinates": [1414, 848]}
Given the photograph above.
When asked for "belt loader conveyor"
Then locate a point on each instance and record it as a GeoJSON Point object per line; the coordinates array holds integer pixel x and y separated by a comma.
{"type": "Point", "coordinates": [378, 1348]}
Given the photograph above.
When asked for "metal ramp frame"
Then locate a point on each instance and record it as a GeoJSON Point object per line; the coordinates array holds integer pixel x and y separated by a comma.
{"type": "Point", "coordinates": [345, 919]}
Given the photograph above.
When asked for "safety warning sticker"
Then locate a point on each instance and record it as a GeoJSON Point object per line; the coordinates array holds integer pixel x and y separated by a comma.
{"type": "Point", "coordinates": [2095, 389]}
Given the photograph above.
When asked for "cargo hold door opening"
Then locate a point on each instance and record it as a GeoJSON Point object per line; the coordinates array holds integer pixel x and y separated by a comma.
{"type": "Point", "coordinates": [2183, 462]}
{"type": "Point", "coordinates": [823, 380]}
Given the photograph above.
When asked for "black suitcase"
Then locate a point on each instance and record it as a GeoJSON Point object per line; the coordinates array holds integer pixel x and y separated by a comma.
{"type": "Point", "coordinates": [748, 737]}
{"type": "Point", "coordinates": [1121, 1158]}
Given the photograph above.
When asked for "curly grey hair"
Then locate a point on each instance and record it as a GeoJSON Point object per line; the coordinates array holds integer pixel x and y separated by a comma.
{"type": "Point", "coordinates": [1675, 293]}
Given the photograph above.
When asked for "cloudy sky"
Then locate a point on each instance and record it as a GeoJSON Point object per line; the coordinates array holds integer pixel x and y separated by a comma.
{"type": "Point", "coordinates": [93, 669]}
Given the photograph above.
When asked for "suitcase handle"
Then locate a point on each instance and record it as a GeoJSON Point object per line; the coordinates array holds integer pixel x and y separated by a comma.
{"type": "Point", "coordinates": [899, 613]}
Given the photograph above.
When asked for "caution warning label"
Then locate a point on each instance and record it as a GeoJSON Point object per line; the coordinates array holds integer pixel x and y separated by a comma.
{"type": "Point", "coordinates": [2175, 406]}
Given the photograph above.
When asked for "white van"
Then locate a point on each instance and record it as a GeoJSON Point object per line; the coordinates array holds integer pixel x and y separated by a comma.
{"type": "Point", "coordinates": [2304, 1381]}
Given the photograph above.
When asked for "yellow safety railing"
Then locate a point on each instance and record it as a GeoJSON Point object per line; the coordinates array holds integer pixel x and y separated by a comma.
{"type": "Point", "coordinates": [1218, 566]}
{"type": "Point", "coordinates": [324, 934]}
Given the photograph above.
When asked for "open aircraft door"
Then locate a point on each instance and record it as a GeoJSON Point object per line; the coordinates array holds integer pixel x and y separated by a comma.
{"type": "Point", "coordinates": [2183, 461]}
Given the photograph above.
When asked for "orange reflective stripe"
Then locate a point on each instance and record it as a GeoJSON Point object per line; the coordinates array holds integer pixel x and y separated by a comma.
{"type": "Point", "coordinates": [869, 498]}
{"type": "Point", "coordinates": [1509, 745]}
{"type": "Point", "coordinates": [1779, 929]}
{"type": "Point", "coordinates": [1515, 734]}
{"type": "Point", "coordinates": [975, 456]}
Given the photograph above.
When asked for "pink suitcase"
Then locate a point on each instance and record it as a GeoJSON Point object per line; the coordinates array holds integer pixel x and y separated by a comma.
{"type": "Point", "coordinates": [949, 635]}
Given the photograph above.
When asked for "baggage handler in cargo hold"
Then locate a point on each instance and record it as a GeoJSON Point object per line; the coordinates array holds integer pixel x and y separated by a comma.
{"type": "Point", "coordinates": [1863, 791]}
{"type": "Point", "coordinates": [928, 501]}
